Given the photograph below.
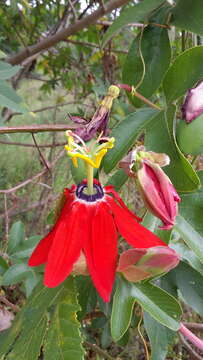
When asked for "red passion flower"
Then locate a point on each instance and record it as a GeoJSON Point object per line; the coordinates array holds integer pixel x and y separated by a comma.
{"type": "Point", "coordinates": [90, 224]}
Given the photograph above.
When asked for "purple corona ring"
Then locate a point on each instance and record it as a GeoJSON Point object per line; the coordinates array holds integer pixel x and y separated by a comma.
{"type": "Point", "coordinates": [193, 105]}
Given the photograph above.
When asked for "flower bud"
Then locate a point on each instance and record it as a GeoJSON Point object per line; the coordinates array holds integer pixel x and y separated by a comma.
{"type": "Point", "coordinates": [158, 193]}
{"type": "Point", "coordinates": [193, 105]}
{"type": "Point", "coordinates": [140, 264]}
{"type": "Point", "coordinates": [190, 136]}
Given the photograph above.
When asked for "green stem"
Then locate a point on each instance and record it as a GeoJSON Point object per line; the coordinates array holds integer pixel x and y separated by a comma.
{"type": "Point", "coordinates": [90, 177]}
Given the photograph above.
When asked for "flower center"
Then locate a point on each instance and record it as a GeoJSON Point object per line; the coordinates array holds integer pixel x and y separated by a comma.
{"type": "Point", "coordinates": [81, 192]}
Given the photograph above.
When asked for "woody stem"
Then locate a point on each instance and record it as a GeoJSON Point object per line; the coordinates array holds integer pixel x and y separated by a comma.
{"type": "Point", "coordinates": [90, 176]}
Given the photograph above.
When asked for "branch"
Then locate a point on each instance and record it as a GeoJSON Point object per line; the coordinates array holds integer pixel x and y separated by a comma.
{"type": "Point", "coordinates": [194, 326]}
{"type": "Point", "coordinates": [32, 145]}
{"type": "Point", "coordinates": [189, 348]}
{"type": "Point", "coordinates": [36, 128]}
{"type": "Point", "coordinates": [36, 204]}
{"type": "Point", "coordinates": [5, 301]}
{"type": "Point", "coordinates": [90, 44]}
{"type": "Point", "coordinates": [35, 177]}
{"type": "Point", "coordinates": [63, 34]}
{"type": "Point", "coordinates": [98, 350]}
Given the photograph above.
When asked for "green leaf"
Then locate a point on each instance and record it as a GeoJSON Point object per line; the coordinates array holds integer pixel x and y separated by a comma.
{"type": "Point", "coordinates": [192, 238]}
{"type": "Point", "coordinates": [190, 284]}
{"type": "Point", "coordinates": [125, 134]}
{"type": "Point", "coordinates": [188, 255]}
{"type": "Point", "coordinates": [16, 236]}
{"type": "Point", "coordinates": [129, 15]}
{"type": "Point", "coordinates": [122, 310]}
{"type": "Point", "coordinates": [156, 52]}
{"type": "Point", "coordinates": [10, 99]}
{"type": "Point", "coordinates": [32, 279]}
{"type": "Point", "coordinates": [180, 171]}
{"type": "Point", "coordinates": [190, 207]}
{"type": "Point", "coordinates": [184, 73]}
{"type": "Point", "coordinates": [152, 223]}
{"type": "Point", "coordinates": [118, 179]}
{"type": "Point", "coordinates": [25, 249]}
{"type": "Point", "coordinates": [29, 318]}
{"type": "Point", "coordinates": [7, 71]}
{"type": "Point", "coordinates": [3, 265]}
{"type": "Point", "coordinates": [30, 349]}
{"type": "Point", "coordinates": [186, 133]}
{"type": "Point", "coordinates": [160, 337]}
{"type": "Point", "coordinates": [15, 274]}
{"type": "Point", "coordinates": [63, 341]}
{"type": "Point", "coordinates": [188, 15]}
{"type": "Point", "coordinates": [161, 306]}
{"type": "Point", "coordinates": [87, 297]}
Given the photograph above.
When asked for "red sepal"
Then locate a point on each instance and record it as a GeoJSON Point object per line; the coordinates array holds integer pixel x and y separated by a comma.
{"type": "Point", "coordinates": [110, 190]}
{"type": "Point", "coordinates": [133, 232]}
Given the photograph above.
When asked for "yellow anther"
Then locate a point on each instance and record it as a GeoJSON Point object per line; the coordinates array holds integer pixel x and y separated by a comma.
{"type": "Point", "coordinates": [92, 156]}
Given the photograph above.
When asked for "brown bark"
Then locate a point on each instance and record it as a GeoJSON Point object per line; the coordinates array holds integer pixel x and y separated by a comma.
{"type": "Point", "coordinates": [64, 33]}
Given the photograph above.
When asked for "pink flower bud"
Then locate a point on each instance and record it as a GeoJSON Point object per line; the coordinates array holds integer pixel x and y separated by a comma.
{"type": "Point", "coordinates": [193, 105]}
{"type": "Point", "coordinates": [158, 192]}
{"type": "Point", "coordinates": [140, 264]}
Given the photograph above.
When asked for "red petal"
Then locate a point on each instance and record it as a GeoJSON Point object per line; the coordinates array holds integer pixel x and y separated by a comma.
{"type": "Point", "coordinates": [41, 252]}
{"type": "Point", "coordinates": [101, 249]}
{"type": "Point", "coordinates": [67, 244]}
{"type": "Point", "coordinates": [134, 233]}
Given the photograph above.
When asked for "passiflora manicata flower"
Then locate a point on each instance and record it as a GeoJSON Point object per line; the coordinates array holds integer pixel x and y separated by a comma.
{"type": "Point", "coordinates": [193, 104]}
{"type": "Point", "coordinates": [90, 224]}
{"type": "Point", "coordinates": [91, 218]}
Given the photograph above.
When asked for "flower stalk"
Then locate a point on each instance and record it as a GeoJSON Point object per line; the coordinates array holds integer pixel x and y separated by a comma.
{"type": "Point", "coordinates": [191, 337]}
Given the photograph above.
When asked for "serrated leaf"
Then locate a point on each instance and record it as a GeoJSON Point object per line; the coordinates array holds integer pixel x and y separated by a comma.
{"type": "Point", "coordinates": [63, 341]}
{"type": "Point", "coordinates": [188, 15]}
{"type": "Point", "coordinates": [160, 337]}
{"type": "Point", "coordinates": [16, 236]}
{"type": "Point", "coordinates": [154, 46]}
{"type": "Point", "coordinates": [7, 71]}
{"type": "Point", "coordinates": [184, 73]}
{"type": "Point", "coordinates": [29, 318]}
{"type": "Point", "coordinates": [192, 238]}
{"type": "Point", "coordinates": [87, 296]}
{"type": "Point", "coordinates": [125, 134]}
{"type": "Point", "coordinates": [10, 99]}
{"type": "Point", "coordinates": [30, 349]}
{"type": "Point", "coordinates": [180, 171]}
{"type": "Point", "coordinates": [129, 15]}
{"type": "Point", "coordinates": [161, 306]}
